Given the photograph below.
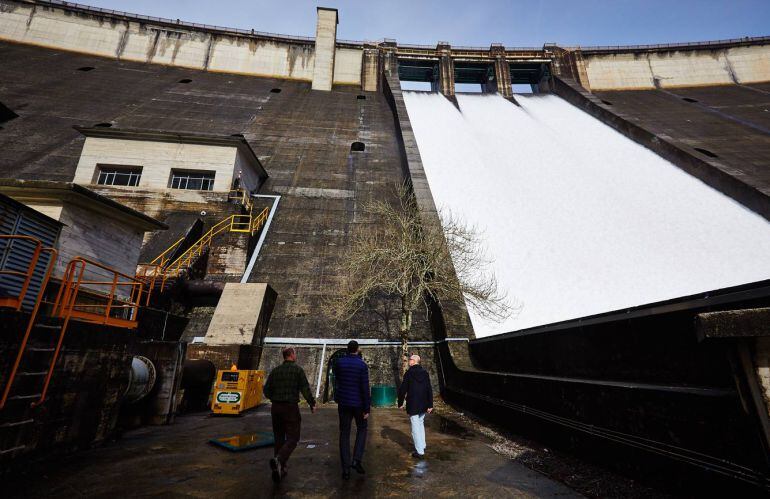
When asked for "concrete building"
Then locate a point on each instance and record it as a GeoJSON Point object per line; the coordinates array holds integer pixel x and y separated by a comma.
{"type": "Point", "coordinates": [167, 161]}
{"type": "Point", "coordinates": [93, 226]}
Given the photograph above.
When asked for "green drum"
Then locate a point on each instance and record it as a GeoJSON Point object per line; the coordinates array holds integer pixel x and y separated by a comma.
{"type": "Point", "coordinates": [383, 395]}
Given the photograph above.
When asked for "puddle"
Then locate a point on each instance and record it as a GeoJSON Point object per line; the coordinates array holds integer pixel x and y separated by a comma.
{"type": "Point", "coordinates": [245, 441]}
{"type": "Point", "coordinates": [449, 427]}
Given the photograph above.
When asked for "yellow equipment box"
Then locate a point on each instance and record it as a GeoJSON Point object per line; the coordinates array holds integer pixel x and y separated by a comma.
{"type": "Point", "coordinates": [237, 390]}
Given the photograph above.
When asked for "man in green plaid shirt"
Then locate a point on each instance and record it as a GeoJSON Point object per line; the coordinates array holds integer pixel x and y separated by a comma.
{"type": "Point", "coordinates": [283, 386]}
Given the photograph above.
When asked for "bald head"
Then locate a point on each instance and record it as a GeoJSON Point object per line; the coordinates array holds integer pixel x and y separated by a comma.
{"type": "Point", "coordinates": [414, 359]}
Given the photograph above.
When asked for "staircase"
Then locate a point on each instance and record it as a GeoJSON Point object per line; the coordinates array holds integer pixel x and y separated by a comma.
{"type": "Point", "coordinates": [27, 389]}
{"type": "Point", "coordinates": [159, 274]}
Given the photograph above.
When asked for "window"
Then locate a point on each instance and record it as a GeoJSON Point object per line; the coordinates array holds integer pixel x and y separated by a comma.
{"type": "Point", "coordinates": [118, 175]}
{"type": "Point", "coordinates": [192, 181]}
{"type": "Point", "coordinates": [185, 80]}
{"type": "Point", "coordinates": [357, 147]}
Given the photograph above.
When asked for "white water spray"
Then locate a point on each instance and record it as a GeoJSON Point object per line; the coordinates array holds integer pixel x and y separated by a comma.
{"type": "Point", "coordinates": [579, 219]}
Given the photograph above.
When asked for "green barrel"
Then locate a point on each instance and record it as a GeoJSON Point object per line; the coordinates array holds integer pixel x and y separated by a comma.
{"type": "Point", "coordinates": [383, 395]}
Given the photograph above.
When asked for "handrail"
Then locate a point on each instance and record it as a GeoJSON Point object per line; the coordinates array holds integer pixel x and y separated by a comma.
{"type": "Point", "coordinates": [163, 268]}
{"type": "Point", "coordinates": [30, 324]}
{"type": "Point", "coordinates": [17, 302]}
{"type": "Point", "coordinates": [67, 303]}
{"type": "Point", "coordinates": [160, 259]}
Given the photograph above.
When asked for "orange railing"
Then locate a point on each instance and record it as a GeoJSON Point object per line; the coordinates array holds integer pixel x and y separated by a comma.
{"type": "Point", "coordinates": [89, 291]}
{"type": "Point", "coordinates": [15, 301]}
{"type": "Point", "coordinates": [32, 317]}
{"type": "Point", "coordinates": [93, 292]}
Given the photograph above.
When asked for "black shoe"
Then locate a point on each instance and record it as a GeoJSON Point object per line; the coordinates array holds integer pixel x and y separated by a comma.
{"type": "Point", "coordinates": [357, 466]}
{"type": "Point", "coordinates": [346, 475]}
{"type": "Point", "coordinates": [418, 456]}
{"type": "Point", "coordinates": [275, 465]}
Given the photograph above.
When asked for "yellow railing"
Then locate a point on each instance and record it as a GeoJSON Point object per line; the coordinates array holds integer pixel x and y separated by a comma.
{"type": "Point", "coordinates": [162, 268]}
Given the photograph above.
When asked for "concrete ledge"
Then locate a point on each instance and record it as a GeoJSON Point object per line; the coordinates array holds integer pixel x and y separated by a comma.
{"type": "Point", "coordinates": [749, 323]}
{"type": "Point", "coordinates": [242, 314]}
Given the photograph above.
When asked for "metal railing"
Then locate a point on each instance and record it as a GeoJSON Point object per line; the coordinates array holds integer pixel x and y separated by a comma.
{"type": "Point", "coordinates": [177, 22]}
{"type": "Point", "coordinates": [15, 300]}
{"type": "Point", "coordinates": [33, 315]}
{"type": "Point", "coordinates": [95, 293]}
{"type": "Point", "coordinates": [162, 268]}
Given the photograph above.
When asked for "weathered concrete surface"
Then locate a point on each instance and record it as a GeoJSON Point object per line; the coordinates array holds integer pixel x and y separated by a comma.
{"type": "Point", "coordinates": [168, 42]}
{"type": "Point", "coordinates": [631, 69]}
{"type": "Point", "coordinates": [325, 41]}
{"type": "Point", "coordinates": [177, 461]}
{"type": "Point", "coordinates": [241, 309]}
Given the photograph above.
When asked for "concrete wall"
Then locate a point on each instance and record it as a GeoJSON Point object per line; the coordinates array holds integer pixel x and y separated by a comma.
{"type": "Point", "coordinates": [134, 39]}
{"type": "Point", "coordinates": [249, 178]}
{"type": "Point", "coordinates": [157, 159]}
{"type": "Point", "coordinates": [93, 235]}
{"type": "Point", "coordinates": [678, 68]}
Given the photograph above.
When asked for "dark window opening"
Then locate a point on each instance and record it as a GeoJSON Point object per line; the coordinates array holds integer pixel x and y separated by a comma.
{"type": "Point", "coordinates": [118, 175]}
{"type": "Point", "coordinates": [6, 114]}
{"type": "Point", "coordinates": [240, 135]}
{"type": "Point", "coordinates": [361, 97]}
{"type": "Point", "coordinates": [192, 181]}
{"type": "Point", "coordinates": [357, 147]}
{"type": "Point", "coordinates": [275, 91]}
{"type": "Point", "coordinates": [689, 99]}
{"type": "Point", "coordinates": [606, 102]}
{"type": "Point", "coordinates": [103, 125]}
{"type": "Point", "coordinates": [185, 80]}
{"type": "Point", "coordinates": [706, 152]}
{"type": "Point", "coordinates": [86, 68]}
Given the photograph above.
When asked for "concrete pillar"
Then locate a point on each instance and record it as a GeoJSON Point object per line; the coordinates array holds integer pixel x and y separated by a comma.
{"type": "Point", "coordinates": [446, 68]}
{"type": "Point", "coordinates": [370, 68]}
{"type": "Point", "coordinates": [325, 45]}
{"type": "Point", "coordinates": [502, 70]}
{"type": "Point", "coordinates": [242, 314]}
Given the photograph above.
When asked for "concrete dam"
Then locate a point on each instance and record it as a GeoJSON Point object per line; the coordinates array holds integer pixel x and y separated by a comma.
{"type": "Point", "coordinates": [224, 174]}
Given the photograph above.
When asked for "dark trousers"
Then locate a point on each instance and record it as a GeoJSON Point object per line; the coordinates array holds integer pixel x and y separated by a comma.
{"type": "Point", "coordinates": [286, 426]}
{"type": "Point", "coordinates": [347, 414]}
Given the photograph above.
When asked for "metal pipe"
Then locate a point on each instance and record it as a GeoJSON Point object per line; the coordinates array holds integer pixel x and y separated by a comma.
{"type": "Point", "coordinates": [276, 198]}
{"type": "Point", "coordinates": [320, 372]}
{"type": "Point", "coordinates": [141, 379]}
{"type": "Point", "coordinates": [342, 341]}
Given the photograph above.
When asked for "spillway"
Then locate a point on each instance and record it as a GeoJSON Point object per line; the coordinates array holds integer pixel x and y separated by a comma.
{"type": "Point", "coordinates": [576, 218]}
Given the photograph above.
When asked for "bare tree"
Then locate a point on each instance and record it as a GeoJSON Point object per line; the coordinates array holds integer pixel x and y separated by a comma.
{"type": "Point", "coordinates": [402, 257]}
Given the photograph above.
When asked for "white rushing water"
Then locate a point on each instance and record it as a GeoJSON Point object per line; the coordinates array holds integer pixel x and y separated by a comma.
{"type": "Point", "coordinates": [577, 218]}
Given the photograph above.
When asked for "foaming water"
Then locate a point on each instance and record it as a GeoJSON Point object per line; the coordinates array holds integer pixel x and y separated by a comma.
{"type": "Point", "coordinates": [577, 218]}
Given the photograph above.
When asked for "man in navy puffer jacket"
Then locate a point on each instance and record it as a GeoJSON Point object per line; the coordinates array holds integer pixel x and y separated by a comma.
{"type": "Point", "coordinates": [353, 402]}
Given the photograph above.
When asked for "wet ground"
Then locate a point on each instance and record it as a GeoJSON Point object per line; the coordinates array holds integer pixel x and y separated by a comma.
{"type": "Point", "coordinates": [178, 461]}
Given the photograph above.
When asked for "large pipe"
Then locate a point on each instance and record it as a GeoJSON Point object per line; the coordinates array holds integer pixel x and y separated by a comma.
{"type": "Point", "coordinates": [141, 379]}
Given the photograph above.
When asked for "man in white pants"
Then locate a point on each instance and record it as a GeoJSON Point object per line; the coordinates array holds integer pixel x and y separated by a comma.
{"type": "Point", "coordinates": [415, 387]}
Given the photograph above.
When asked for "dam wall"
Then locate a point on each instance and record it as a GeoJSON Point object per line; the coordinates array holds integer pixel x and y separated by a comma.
{"type": "Point", "coordinates": [739, 61]}
{"type": "Point", "coordinates": [129, 37]}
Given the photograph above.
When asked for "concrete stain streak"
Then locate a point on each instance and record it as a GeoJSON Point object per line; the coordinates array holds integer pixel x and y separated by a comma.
{"type": "Point", "coordinates": [153, 48]}
{"type": "Point", "coordinates": [209, 50]}
{"type": "Point", "coordinates": [122, 42]}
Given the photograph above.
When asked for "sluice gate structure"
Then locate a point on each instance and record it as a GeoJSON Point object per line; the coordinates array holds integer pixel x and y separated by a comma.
{"type": "Point", "coordinates": [663, 390]}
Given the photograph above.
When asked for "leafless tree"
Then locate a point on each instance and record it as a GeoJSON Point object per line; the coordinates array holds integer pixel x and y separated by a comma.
{"type": "Point", "coordinates": [400, 256]}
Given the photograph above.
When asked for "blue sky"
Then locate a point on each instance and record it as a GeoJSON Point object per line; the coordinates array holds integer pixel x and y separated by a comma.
{"type": "Point", "coordinates": [513, 22]}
